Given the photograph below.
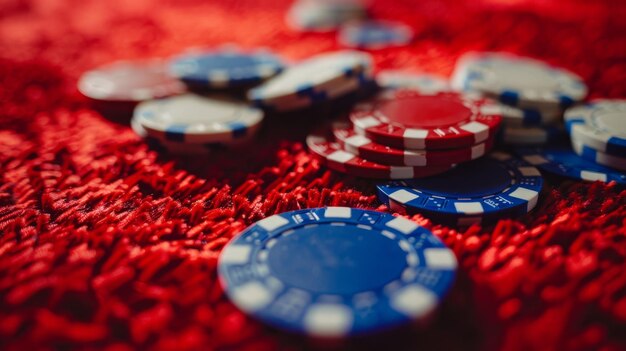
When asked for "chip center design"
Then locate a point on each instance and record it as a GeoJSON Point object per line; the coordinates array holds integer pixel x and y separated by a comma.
{"type": "Point", "coordinates": [332, 259]}
{"type": "Point", "coordinates": [421, 111]}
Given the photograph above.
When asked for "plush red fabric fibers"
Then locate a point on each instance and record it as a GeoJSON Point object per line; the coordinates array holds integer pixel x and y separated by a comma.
{"type": "Point", "coordinates": [107, 244]}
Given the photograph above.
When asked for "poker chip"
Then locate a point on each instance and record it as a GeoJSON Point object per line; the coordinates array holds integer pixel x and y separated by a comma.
{"type": "Point", "coordinates": [365, 148]}
{"type": "Point", "coordinates": [197, 119]}
{"type": "Point", "coordinates": [316, 79]}
{"type": "Point", "coordinates": [600, 125]}
{"type": "Point", "coordinates": [410, 120]}
{"type": "Point", "coordinates": [169, 146]}
{"type": "Point", "coordinates": [324, 15]}
{"type": "Point", "coordinates": [563, 161]}
{"type": "Point", "coordinates": [342, 161]}
{"type": "Point", "coordinates": [225, 68]}
{"type": "Point", "coordinates": [129, 81]}
{"type": "Point", "coordinates": [538, 135]}
{"type": "Point", "coordinates": [599, 157]}
{"type": "Point", "coordinates": [336, 271]}
{"type": "Point", "coordinates": [375, 34]}
{"type": "Point", "coordinates": [422, 82]}
{"type": "Point", "coordinates": [495, 186]}
{"type": "Point", "coordinates": [518, 81]}
{"type": "Point", "coordinates": [518, 117]}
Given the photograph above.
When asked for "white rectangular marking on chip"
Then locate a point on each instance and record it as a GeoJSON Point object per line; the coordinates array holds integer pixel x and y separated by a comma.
{"type": "Point", "coordinates": [358, 140]}
{"type": "Point", "coordinates": [535, 159]}
{"type": "Point", "coordinates": [402, 224]}
{"type": "Point", "coordinates": [478, 151]}
{"type": "Point", "coordinates": [593, 176]}
{"type": "Point", "coordinates": [367, 122]}
{"type": "Point", "coordinates": [236, 254]}
{"type": "Point", "coordinates": [526, 194]}
{"type": "Point", "coordinates": [363, 226]}
{"type": "Point", "coordinates": [403, 196]}
{"type": "Point", "coordinates": [272, 223]}
{"type": "Point", "coordinates": [529, 171]}
{"type": "Point", "coordinates": [338, 212]}
{"type": "Point", "coordinates": [328, 319]}
{"type": "Point", "coordinates": [480, 130]}
{"type": "Point", "coordinates": [414, 300]}
{"type": "Point", "coordinates": [401, 172]}
{"type": "Point", "coordinates": [469, 207]}
{"type": "Point", "coordinates": [440, 258]}
{"type": "Point", "coordinates": [415, 138]}
{"type": "Point", "coordinates": [340, 156]}
{"type": "Point", "coordinates": [252, 296]}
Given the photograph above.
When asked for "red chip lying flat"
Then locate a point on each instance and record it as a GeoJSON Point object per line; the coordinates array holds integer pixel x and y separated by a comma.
{"type": "Point", "coordinates": [339, 160]}
{"type": "Point", "coordinates": [409, 120]}
{"type": "Point", "coordinates": [360, 145]}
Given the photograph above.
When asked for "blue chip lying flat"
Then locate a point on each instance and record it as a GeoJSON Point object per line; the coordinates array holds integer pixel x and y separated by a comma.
{"type": "Point", "coordinates": [495, 186]}
{"type": "Point", "coordinates": [599, 157]}
{"type": "Point", "coordinates": [375, 34]}
{"type": "Point", "coordinates": [225, 68]}
{"type": "Point", "coordinates": [563, 161]}
{"type": "Point", "coordinates": [600, 124]}
{"type": "Point", "coordinates": [198, 119]}
{"type": "Point", "coordinates": [336, 271]}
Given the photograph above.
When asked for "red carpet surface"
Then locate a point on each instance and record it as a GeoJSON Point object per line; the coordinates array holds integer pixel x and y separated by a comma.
{"type": "Point", "coordinates": [106, 244]}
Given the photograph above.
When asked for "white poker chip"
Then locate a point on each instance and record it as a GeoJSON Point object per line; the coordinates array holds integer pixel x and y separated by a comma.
{"type": "Point", "coordinates": [599, 157]}
{"type": "Point", "coordinates": [518, 81]}
{"type": "Point", "coordinates": [425, 83]}
{"type": "Point", "coordinates": [600, 124]}
{"type": "Point", "coordinates": [324, 15]}
{"type": "Point", "coordinates": [197, 119]}
{"type": "Point", "coordinates": [312, 78]}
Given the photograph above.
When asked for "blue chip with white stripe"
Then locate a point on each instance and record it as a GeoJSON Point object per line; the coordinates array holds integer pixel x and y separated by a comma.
{"type": "Point", "coordinates": [518, 81]}
{"type": "Point", "coordinates": [375, 34]}
{"type": "Point", "coordinates": [563, 161]}
{"type": "Point", "coordinates": [192, 118]}
{"type": "Point", "coordinates": [600, 124]}
{"type": "Point", "coordinates": [227, 67]}
{"type": "Point", "coordinates": [336, 271]}
{"type": "Point", "coordinates": [498, 185]}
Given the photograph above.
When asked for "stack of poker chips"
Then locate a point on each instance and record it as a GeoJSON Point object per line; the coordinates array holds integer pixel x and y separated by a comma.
{"type": "Point", "coordinates": [533, 94]}
{"type": "Point", "coordinates": [192, 103]}
{"type": "Point", "coordinates": [598, 132]}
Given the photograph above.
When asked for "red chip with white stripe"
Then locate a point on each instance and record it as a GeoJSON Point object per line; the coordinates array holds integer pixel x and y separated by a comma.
{"type": "Point", "coordinates": [409, 120]}
{"type": "Point", "coordinates": [342, 161]}
{"type": "Point", "coordinates": [360, 145]}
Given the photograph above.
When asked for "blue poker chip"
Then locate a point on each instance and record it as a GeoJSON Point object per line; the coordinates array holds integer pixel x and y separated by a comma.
{"type": "Point", "coordinates": [601, 124]}
{"type": "Point", "coordinates": [599, 157]}
{"type": "Point", "coordinates": [563, 161]}
{"type": "Point", "coordinates": [498, 185]}
{"type": "Point", "coordinates": [375, 34]}
{"type": "Point", "coordinates": [225, 68]}
{"type": "Point", "coordinates": [336, 271]}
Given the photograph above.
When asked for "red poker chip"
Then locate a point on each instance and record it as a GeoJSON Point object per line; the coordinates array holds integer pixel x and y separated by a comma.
{"type": "Point", "coordinates": [129, 81]}
{"type": "Point", "coordinates": [342, 161]}
{"type": "Point", "coordinates": [360, 145]}
{"type": "Point", "coordinates": [407, 119]}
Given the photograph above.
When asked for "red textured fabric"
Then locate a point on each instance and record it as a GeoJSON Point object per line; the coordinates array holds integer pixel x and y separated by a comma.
{"type": "Point", "coordinates": [106, 244]}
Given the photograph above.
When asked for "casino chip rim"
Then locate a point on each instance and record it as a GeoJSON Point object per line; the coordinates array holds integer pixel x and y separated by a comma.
{"type": "Point", "coordinates": [365, 148]}
{"type": "Point", "coordinates": [337, 159]}
{"type": "Point", "coordinates": [244, 122]}
{"type": "Point", "coordinates": [520, 197]}
{"type": "Point", "coordinates": [409, 296]}
{"type": "Point", "coordinates": [92, 90]}
{"type": "Point", "coordinates": [296, 81]}
{"type": "Point", "coordinates": [556, 160]}
{"type": "Point", "coordinates": [530, 135]}
{"type": "Point", "coordinates": [424, 83]}
{"type": "Point", "coordinates": [358, 34]}
{"type": "Point", "coordinates": [471, 73]}
{"type": "Point", "coordinates": [582, 124]}
{"type": "Point", "coordinates": [264, 64]}
{"type": "Point", "coordinates": [599, 157]}
{"type": "Point", "coordinates": [480, 126]}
